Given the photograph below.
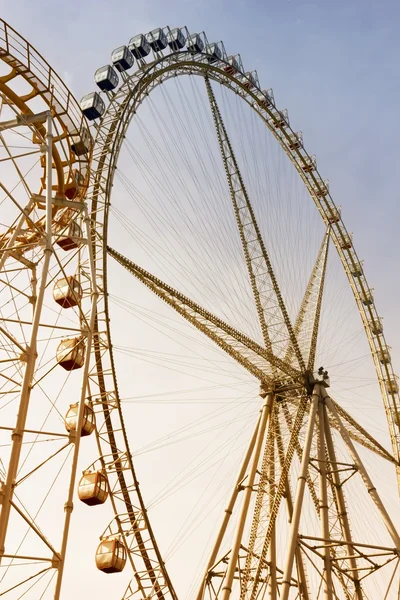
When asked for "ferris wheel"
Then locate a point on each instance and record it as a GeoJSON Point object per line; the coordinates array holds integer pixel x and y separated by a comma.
{"type": "Point", "coordinates": [199, 188]}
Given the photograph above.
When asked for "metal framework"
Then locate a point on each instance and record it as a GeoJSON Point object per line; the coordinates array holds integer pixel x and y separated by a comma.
{"type": "Point", "coordinates": [298, 421]}
{"type": "Point", "coordinates": [29, 251]}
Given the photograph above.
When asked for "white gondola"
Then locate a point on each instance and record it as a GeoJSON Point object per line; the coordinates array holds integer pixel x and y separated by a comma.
{"type": "Point", "coordinates": [106, 78]}
{"type": "Point", "coordinates": [249, 80]}
{"type": "Point", "coordinates": [295, 141]}
{"type": "Point", "coordinates": [214, 52]}
{"type": "Point", "coordinates": [68, 237]}
{"type": "Point", "coordinates": [176, 39]}
{"type": "Point", "coordinates": [396, 417]}
{"type": "Point", "coordinates": [269, 97]}
{"type": "Point", "coordinates": [333, 213]}
{"type": "Point", "coordinates": [67, 292]}
{"type": "Point", "coordinates": [139, 46]}
{"type": "Point", "coordinates": [93, 488]}
{"type": "Point", "coordinates": [195, 44]}
{"type": "Point", "coordinates": [157, 39]}
{"type": "Point", "coordinates": [356, 270]}
{"type": "Point", "coordinates": [88, 421]}
{"type": "Point", "coordinates": [384, 356]}
{"type": "Point", "coordinates": [309, 163]}
{"type": "Point", "coordinates": [122, 58]}
{"type": "Point", "coordinates": [321, 188]}
{"type": "Point", "coordinates": [346, 241]}
{"type": "Point", "coordinates": [376, 326]}
{"type": "Point", "coordinates": [111, 555]}
{"type": "Point", "coordinates": [233, 66]}
{"type": "Point", "coordinates": [265, 98]}
{"type": "Point", "coordinates": [278, 119]}
{"type": "Point", "coordinates": [92, 106]}
{"type": "Point", "coordinates": [367, 298]}
{"type": "Point", "coordinates": [392, 385]}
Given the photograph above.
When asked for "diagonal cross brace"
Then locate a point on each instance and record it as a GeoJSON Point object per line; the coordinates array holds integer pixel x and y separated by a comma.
{"type": "Point", "coordinates": [272, 313]}
{"type": "Point", "coordinates": [256, 359]}
{"type": "Point", "coordinates": [308, 318]}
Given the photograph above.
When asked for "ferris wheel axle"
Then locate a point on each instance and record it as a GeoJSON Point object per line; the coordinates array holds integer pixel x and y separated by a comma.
{"type": "Point", "coordinates": [20, 120]}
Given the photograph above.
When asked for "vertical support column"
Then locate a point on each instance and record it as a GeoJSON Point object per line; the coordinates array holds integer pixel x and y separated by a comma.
{"type": "Point", "coordinates": [263, 281]}
{"type": "Point", "coordinates": [272, 583]}
{"type": "Point", "coordinates": [371, 489]}
{"type": "Point", "coordinates": [69, 503]}
{"type": "Point", "coordinates": [6, 494]}
{"type": "Point", "coordinates": [298, 502]}
{"type": "Point", "coordinates": [343, 517]}
{"type": "Point", "coordinates": [323, 503]}
{"type": "Point", "coordinates": [301, 571]}
{"type": "Point", "coordinates": [233, 559]}
{"type": "Point", "coordinates": [229, 510]}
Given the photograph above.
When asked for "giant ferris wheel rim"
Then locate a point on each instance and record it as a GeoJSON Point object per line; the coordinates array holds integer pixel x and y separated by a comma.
{"type": "Point", "coordinates": [165, 67]}
{"type": "Point", "coordinates": [109, 137]}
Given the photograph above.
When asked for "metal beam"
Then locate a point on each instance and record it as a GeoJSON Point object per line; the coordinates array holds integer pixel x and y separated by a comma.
{"type": "Point", "coordinates": [21, 120]}
{"type": "Point", "coordinates": [298, 502]}
{"type": "Point", "coordinates": [303, 328]}
{"type": "Point", "coordinates": [272, 313]}
{"type": "Point", "coordinates": [341, 505]}
{"type": "Point", "coordinates": [371, 489]}
{"type": "Point", "coordinates": [228, 511]}
{"type": "Point", "coordinates": [323, 503]}
{"type": "Point", "coordinates": [248, 490]}
{"type": "Point", "coordinates": [243, 349]}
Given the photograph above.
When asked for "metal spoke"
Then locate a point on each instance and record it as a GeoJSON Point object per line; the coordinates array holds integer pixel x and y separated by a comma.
{"type": "Point", "coordinates": [360, 435]}
{"type": "Point", "coordinates": [244, 350]}
{"type": "Point", "coordinates": [307, 322]}
{"type": "Point", "coordinates": [357, 433]}
{"type": "Point", "coordinates": [291, 550]}
{"type": "Point", "coordinates": [265, 489]}
{"type": "Point", "coordinates": [340, 503]}
{"type": "Point", "coordinates": [301, 569]}
{"type": "Point", "coordinates": [386, 519]}
{"type": "Point", "coordinates": [280, 490]}
{"type": "Point", "coordinates": [8, 489]}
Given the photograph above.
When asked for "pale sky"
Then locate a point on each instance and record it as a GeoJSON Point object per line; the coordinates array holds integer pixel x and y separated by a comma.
{"type": "Point", "coordinates": [334, 66]}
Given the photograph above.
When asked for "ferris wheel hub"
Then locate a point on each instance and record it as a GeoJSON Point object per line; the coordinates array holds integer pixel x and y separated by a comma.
{"type": "Point", "coordinates": [320, 376]}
